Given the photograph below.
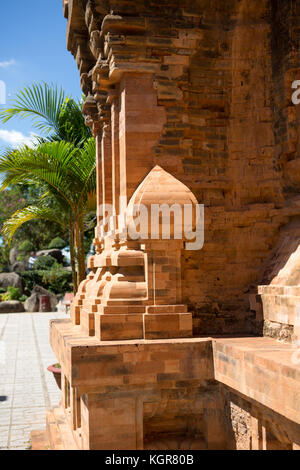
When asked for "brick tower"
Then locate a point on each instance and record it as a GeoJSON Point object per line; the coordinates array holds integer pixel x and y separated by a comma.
{"type": "Point", "coordinates": [190, 103]}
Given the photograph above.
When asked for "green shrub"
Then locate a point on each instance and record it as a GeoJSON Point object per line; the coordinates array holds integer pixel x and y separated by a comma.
{"type": "Point", "coordinates": [31, 278]}
{"type": "Point", "coordinates": [56, 279]}
{"type": "Point", "coordinates": [44, 262]}
{"type": "Point", "coordinates": [23, 298]}
{"type": "Point", "coordinates": [2, 290]}
{"type": "Point", "coordinates": [57, 242]}
{"type": "Point", "coordinates": [13, 293]}
{"type": "Point", "coordinates": [26, 246]}
{"type": "Point", "coordinates": [22, 258]}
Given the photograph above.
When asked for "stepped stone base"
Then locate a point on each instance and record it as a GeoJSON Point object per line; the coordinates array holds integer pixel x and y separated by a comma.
{"type": "Point", "coordinates": [58, 434]}
{"type": "Point", "coordinates": [183, 394]}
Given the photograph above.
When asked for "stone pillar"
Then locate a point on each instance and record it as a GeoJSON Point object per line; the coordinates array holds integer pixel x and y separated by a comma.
{"type": "Point", "coordinates": [114, 99]}
{"type": "Point", "coordinates": [140, 125]}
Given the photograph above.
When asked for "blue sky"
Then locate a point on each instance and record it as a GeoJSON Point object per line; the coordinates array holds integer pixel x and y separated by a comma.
{"type": "Point", "coordinates": [33, 48]}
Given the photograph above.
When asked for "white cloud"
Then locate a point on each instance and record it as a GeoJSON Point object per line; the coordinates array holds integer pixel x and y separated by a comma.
{"type": "Point", "coordinates": [16, 138]}
{"type": "Point", "coordinates": [7, 63]}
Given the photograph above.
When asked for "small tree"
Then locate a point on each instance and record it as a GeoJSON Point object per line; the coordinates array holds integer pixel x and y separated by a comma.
{"type": "Point", "coordinates": [26, 246]}
{"type": "Point", "coordinates": [58, 243]}
{"type": "Point", "coordinates": [44, 262]}
{"type": "Point", "coordinates": [62, 164]}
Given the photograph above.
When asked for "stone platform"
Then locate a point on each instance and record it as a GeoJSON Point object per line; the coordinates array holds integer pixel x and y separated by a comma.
{"type": "Point", "coordinates": [179, 394]}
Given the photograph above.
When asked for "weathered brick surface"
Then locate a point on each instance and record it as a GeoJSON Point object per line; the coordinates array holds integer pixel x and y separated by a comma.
{"type": "Point", "coordinates": [185, 393]}
{"type": "Point", "coordinates": [206, 93]}
{"type": "Point", "coordinates": [262, 369]}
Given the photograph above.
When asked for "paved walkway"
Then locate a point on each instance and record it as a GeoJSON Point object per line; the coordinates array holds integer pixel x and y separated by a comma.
{"type": "Point", "coordinates": [27, 389]}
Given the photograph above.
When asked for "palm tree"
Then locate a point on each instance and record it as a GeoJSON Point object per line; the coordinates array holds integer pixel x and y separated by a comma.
{"type": "Point", "coordinates": [55, 114]}
{"type": "Point", "coordinates": [61, 163]}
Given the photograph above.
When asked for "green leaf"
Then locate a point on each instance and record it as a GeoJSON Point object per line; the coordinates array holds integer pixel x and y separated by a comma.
{"type": "Point", "coordinates": [30, 213]}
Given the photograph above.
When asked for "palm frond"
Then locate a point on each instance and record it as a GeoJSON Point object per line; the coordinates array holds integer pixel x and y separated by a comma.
{"type": "Point", "coordinates": [87, 168]}
{"type": "Point", "coordinates": [72, 126]}
{"type": "Point", "coordinates": [50, 163]}
{"type": "Point", "coordinates": [40, 101]}
{"type": "Point", "coordinates": [27, 214]}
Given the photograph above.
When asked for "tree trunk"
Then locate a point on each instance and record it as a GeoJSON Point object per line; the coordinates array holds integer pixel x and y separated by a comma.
{"type": "Point", "coordinates": [82, 250]}
{"type": "Point", "coordinates": [79, 250]}
{"type": "Point", "coordinates": [73, 259]}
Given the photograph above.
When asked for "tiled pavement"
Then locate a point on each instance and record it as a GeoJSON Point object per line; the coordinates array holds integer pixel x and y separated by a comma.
{"type": "Point", "coordinates": [27, 389]}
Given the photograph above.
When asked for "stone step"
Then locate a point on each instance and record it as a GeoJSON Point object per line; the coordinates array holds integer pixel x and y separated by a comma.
{"type": "Point", "coordinates": [64, 429]}
{"type": "Point", "coordinates": [164, 309]}
{"type": "Point", "coordinates": [39, 440]}
{"type": "Point", "coordinates": [119, 310]}
{"type": "Point", "coordinates": [59, 432]}
{"type": "Point", "coordinates": [53, 434]}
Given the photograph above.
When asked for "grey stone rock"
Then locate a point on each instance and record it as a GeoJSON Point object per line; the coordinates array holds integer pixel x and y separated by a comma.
{"type": "Point", "coordinates": [55, 253]}
{"type": "Point", "coordinates": [11, 279]}
{"type": "Point", "coordinates": [18, 267]}
{"type": "Point", "coordinates": [32, 304]}
{"type": "Point", "coordinates": [13, 254]}
{"type": "Point", "coordinates": [11, 306]}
